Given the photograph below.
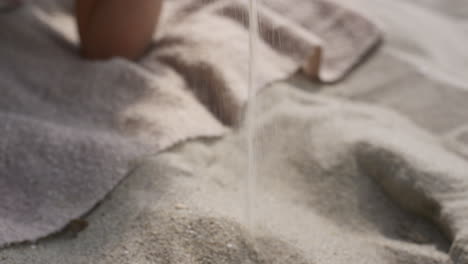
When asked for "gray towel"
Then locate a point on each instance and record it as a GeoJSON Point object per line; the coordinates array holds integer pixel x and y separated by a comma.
{"type": "Point", "coordinates": [71, 128]}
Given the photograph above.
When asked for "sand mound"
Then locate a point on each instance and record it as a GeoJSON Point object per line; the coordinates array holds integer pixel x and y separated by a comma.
{"type": "Point", "coordinates": [159, 237]}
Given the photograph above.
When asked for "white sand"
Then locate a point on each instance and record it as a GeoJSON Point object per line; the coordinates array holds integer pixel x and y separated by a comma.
{"type": "Point", "coordinates": [313, 203]}
{"type": "Point", "coordinates": [318, 200]}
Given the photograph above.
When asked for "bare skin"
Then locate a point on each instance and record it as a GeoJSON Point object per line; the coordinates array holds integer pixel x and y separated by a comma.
{"type": "Point", "coordinates": [116, 28]}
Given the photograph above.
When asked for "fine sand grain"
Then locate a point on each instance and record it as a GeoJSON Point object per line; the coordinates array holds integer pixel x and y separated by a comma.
{"type": "Point", "coordinates": [339, 182]}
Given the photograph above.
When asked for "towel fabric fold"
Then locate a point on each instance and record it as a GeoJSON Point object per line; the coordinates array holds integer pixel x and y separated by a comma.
{"type": "Point", "coordinates": [71, 128]}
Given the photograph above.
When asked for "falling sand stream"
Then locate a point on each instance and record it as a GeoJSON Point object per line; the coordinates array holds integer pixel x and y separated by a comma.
{"type": "Point", "coordinates": [251, 152]}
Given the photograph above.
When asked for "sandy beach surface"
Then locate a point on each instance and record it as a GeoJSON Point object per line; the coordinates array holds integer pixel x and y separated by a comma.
{"type": "Point", "coordinates": [316, 200]}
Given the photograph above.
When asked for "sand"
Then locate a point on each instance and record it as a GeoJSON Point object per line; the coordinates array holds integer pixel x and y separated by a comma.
{"type": "Point", "coordinates": [314, 203]}
{"type": "Point", "coordinates": [319, 198]}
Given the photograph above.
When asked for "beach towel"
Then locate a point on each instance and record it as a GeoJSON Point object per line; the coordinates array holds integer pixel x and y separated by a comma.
{"type": "Point", "coordinates": [73, 129]}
